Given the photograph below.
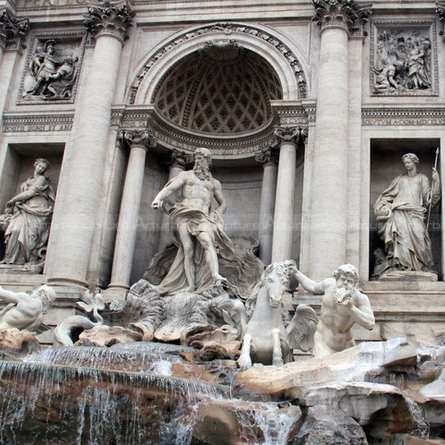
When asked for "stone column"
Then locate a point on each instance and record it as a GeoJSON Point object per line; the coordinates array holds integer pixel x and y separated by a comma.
{"type": "Point", "coordinates": [177, 165]}
{"type": "Point", "coordinates": [285, 198]}
{"type": "Point", "coordinates": [267, 204]}
{"type": "Point", "coordinates": [75, 213]}
{"type": "Point", "coordinates": [329, 196]}
{"type": "Point", "coordinates": [139, 141]}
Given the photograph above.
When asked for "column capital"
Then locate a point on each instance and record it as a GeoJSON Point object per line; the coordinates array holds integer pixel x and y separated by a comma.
{"type": "Point", "coordinates": [287, 134]}
{"type": "Point", "coordinates": [133, 138]}
{"type": "Point", "coordinates": [344, 14]}
{"type": "Point", "coordinates": [11, 28]}
{"type": "Point", "coordinates": [178, 158]}
{"type": "Point", "coordinates": [109, 19]}
{"type": "Point", "coordinates": [267, 156]}
{"type": "Point", "coordinates": [440, 10]}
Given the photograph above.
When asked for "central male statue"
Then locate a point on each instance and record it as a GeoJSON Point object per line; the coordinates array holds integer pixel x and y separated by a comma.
{"type": "Point", "coordinates": [196, 227]}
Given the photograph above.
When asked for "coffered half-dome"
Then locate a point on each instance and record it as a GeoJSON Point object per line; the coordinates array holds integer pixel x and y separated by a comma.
{"type": "Point", "coordinates": [221, 89]}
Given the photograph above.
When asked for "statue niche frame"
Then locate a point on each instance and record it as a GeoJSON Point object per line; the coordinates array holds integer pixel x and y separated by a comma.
{"type": "Point", "coordinates": [386, 165]}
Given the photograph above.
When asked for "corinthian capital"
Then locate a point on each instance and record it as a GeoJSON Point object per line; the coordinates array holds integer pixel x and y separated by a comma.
{"type": "Point", "coordinates": [11, 28]}
{"type": "Point", "coordinates": [140, 138]}
{"type": "Point", "coordinates": [341, 13]}
{"type": "Point", "coordinates": [287, 134]}
{"type": "Point", "coordinates": [266, 156]}
{"type": "Point", "coordinates": [113, 20]}
{"type": "Point", "coordinates": [440, 10]}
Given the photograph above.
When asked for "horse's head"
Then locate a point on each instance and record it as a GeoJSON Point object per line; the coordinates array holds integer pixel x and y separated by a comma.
{"type": "Point", "coordinates": [275, 279]}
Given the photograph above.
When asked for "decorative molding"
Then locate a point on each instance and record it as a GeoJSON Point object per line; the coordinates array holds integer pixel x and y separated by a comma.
{"type": "Point", "coordinates": [380, 71]}
{"type": "Point", "coordinates": [21, 123]}
{"type": "Point", "coordinates": [346, 14]}
{"type": "Point", "coordinates": [111, 20]}
{"type": "Point", "coordinates": [12, 29]}
{"type": "Point", "coordinates": [228, 29]}
{"type": "Point", "coordinates": [294, 114]}
{"type": "Point", "coordinates": [406, 117]}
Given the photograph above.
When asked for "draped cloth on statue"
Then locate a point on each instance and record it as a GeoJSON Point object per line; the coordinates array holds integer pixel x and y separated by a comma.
{"type": "Point", "coordinates": [28, 230]}
{"type": "Point", "coordinates": [404, 232]}
{"type": "Point", "coordinates": [196, 221]}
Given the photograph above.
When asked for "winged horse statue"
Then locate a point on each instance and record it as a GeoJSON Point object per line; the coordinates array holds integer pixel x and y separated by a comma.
{"type": "Point", "coordinates": [265, 338]}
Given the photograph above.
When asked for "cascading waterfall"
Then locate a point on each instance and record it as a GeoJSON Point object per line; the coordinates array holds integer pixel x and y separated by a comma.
{"type": "Point", "coordinates": [123, 395]}
{"type": "Point", "coordinates": [48, 404]}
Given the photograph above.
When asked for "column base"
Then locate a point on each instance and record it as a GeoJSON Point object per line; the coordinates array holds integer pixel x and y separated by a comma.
{"type": "Point", "coordinates": [115, 292]}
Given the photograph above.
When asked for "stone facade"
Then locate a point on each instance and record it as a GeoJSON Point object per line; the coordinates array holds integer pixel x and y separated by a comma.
{"type": "Point", "coordinates": [306, 106]}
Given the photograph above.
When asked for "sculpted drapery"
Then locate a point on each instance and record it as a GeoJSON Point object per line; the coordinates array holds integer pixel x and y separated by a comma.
{"type": "Point", "coordinates": [401, 209]}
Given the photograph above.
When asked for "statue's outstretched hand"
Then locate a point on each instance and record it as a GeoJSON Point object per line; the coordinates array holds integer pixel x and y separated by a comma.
{"type": "Point", "coordinates": [156, 204]}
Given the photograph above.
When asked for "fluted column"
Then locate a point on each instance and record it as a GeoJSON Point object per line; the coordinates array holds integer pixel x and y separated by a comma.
{"type": "Point", "coordinates": [139, 142]}
{"type": "Point", "coordinates": [267, 204]}
{"type": "Point", "coordinates": [176, 165]}
{"type": "Point", "coordinates": [336, 18]}
{"type": "Point", "coordinates": [75, 214]}
{"type": "Point", "coordinates": [283, 229]}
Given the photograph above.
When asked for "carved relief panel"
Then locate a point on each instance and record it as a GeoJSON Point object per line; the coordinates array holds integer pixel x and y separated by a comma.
{"type": "Point", "coordinates": [403, 59]}
{"type": "Point", "coordinates": [52, 69]}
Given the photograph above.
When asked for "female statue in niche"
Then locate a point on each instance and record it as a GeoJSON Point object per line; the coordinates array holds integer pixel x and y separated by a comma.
{"type": "Point", "coordinates": [28, 218]}
{"type": "Point", "coordinates": [401, 210]}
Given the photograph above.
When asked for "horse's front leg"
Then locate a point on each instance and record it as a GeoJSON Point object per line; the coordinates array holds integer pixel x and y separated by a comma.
{"type": "Point", "coordinates": [245, 361]}
{"type": "Point", "coordinates": [277, 357]}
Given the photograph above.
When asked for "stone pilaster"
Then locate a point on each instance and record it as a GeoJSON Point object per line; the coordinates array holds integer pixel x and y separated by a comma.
{"type": "Point", "coordinates": [138, 142]}
{"type": "Point", "coordinates": [267, 205]}
{"type": "Point", "coordinates": [338, 19]}
{"type": "Point", "coordinates": [283, 228]}
{"type": "Point", "coordinates": [176, 165]}
{"type": "Point", "coordinates": [76, 210]}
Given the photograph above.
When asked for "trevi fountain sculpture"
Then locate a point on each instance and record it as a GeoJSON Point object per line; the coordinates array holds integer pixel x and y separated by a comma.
{"type": "Point", "coordinates": [212, 347]}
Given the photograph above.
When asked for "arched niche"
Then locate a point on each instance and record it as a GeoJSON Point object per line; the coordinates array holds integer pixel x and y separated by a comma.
{"type": "Point", "coordinates": [273, 48]}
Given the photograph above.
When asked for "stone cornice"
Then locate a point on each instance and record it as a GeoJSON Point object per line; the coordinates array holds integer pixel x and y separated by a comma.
{"type": "Point", "coordinates": [174, 137]}
{"type": "Point", "coordinates": [108, 19]}
{"type": "Point", "coordinates": [294, 114]}
{"type": "Point", "coordinates": [23, 123]}
{"type": "Point", "coordinates": [346, 14]}
{"type": "Point", "coordinates": [12, 29]}
{"type": "Point", "coordinates": [407, 117]}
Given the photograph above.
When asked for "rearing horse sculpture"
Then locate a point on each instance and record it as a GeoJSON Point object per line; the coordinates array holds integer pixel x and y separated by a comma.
{"type": "Point", "coordinates": [266, 340]}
